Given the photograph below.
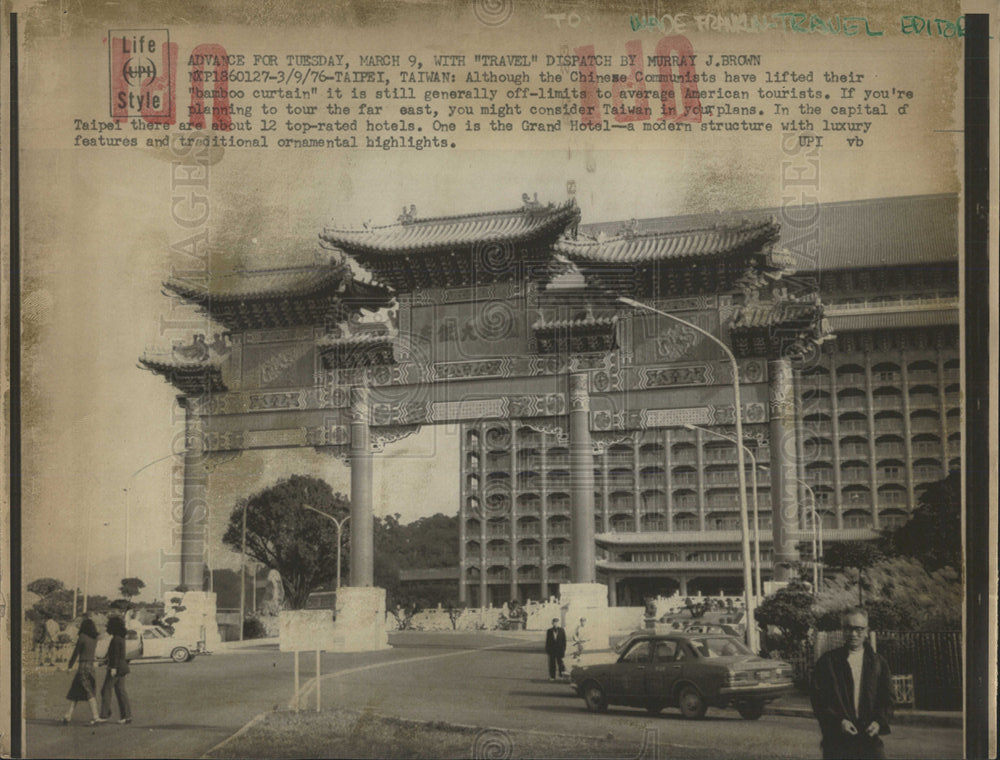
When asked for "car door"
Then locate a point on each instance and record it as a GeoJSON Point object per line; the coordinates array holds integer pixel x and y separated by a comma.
{"type": "Point", "coordinates": [627, 682]}
{"type": "Point", "coordinates": [662, 671]}
{"type": "Point", "coordinates": [152, 643]}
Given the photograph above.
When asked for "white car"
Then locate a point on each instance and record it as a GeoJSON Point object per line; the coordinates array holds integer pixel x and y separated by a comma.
{"type": "Point", "coordinates": [153, 641]}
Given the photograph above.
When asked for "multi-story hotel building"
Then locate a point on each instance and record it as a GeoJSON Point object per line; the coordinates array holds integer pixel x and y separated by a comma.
{"type": "Point", "coordinates": [877, 411]}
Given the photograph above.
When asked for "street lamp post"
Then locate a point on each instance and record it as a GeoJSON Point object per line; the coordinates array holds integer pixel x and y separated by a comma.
{"type": "Point", "coordinates": [243, 568]}
{"type": "Point", "coordinates": [752, 641]}
{"type": "Point", "coordinates": [817, 531]}
{"type": "Point", "coordinates": [340, 524]}
{"type": "Point", "coordinates": [86, 565]}
{"type": "Point", "coordinates": [753, 486]}
{"type": "Point", "coordinates": [128, 517]}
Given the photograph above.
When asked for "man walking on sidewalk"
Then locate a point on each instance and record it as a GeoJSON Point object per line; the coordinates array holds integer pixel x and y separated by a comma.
{"type": "Point", "coordinates": [852, 694]}
{"type": "Point", "coordinates": [555, 648]}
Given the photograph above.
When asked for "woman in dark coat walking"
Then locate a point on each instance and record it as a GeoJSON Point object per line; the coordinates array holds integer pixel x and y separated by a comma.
{"type": "Point", "coordinates": [84, 686]}
{"type": "Point", "coordinates": [117, 670]}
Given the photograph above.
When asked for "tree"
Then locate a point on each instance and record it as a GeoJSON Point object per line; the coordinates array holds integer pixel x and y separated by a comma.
{"type": "Point", "coordinates": [902, 595]}
{"type": "Point", "coordinates": [56, 600]}
{"type": "Point", "coordinates": [790, 611]}
{"type": "Point", "coordinates": [300, 544]}
{"type": "Point", "coordinates": [856, 555]}
{"type": "Point", "coordinates": [429, 542]}
{"type": "Point", "coordinates": [131, 587]}
{"type": "Point", "coordinates": [933, 534]}
{"type": "Point", "coordinates": [45, 586]}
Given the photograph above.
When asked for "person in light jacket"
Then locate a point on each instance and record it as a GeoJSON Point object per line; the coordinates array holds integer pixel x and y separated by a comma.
{"type": "Point", "coordinates": [118, 668]}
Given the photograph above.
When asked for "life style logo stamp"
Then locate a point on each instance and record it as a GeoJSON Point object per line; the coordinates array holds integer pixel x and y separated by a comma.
{"type": "Point", "coordinates": [142, 69]}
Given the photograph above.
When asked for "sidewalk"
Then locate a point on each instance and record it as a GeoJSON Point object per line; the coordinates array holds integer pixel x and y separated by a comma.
{"type": "Point", "coordinates": [797, 705]}
{"type": "Point", "coordinates": [228, 647]}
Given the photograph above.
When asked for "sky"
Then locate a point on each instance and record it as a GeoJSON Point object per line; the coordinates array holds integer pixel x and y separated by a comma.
{"type": "Point", "coordinates": [97, 234]}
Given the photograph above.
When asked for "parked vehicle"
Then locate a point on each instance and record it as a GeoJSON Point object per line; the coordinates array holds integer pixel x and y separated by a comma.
{"type": "Point", "coordinates": [690, 671]}
{"type": "Point", "coordinates": [154, 641]}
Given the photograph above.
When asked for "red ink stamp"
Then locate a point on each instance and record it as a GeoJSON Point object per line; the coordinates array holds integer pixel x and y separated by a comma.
{"type": "Point", "coordinates": [142, 70]}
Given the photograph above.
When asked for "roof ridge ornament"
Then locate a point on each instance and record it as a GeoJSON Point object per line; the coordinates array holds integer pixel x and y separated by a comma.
{"type": "Point", "coordinates": [529, 203]}
{"type": "Point", "coordinates": [407, 217]}
{"type": "Point", "coordinates": [629, 229]}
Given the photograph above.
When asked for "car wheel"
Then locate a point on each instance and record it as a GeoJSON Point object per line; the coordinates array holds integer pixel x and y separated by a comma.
{"type": "Point", "coordinates": [593, 696]}
{"type": "Point", "coordinates": [180, 654]}
{"type": "Point", "coordinates": [691, 703]}
{"type": "Point", "coordinates": [751, 710]}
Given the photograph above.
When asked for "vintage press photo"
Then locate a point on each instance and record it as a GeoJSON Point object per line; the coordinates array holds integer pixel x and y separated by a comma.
{"type": "Point", "coordinates": [491, 379]}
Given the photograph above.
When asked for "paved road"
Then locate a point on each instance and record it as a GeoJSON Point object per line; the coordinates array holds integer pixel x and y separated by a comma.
{"type": "Point", "coordinates": [472, 679]}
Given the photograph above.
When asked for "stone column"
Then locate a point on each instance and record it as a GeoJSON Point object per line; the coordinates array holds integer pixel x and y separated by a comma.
{"type": "Point", "coordinates": [784, 469]}
{"type": "Point", "coordinates": [872, 460]}
{"type": "Point", "coordinates": [581, 476]}
{"type": "Point", "coordinates": [362, 525]}
{"type": "Point", "coordinates": [194, 513]}
{"type": "Point", "coordinates": [838, 501]}
{"type": "Point", "coordinates": [483, 521]}
{"type": "Point", "coordinates": [911, 500]}
{"type": "Point", "coordinates": [463, 515]}
{"type": "Point", "coordinates": [699, 458]}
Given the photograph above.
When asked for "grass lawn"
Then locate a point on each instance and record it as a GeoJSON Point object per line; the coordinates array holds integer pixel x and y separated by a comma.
{"type": "Point", "coordinates": [347, 733]}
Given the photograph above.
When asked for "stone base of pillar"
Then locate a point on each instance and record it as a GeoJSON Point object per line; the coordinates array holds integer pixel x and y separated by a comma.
{"type": "Point", "coordinates": [588, 601]}
{"type": "Point", "coordinates": [195, 612]}
{"type": "Point", "coordinates": [358, 627]}
{"type": "Point", "coordinates": [361, 619]}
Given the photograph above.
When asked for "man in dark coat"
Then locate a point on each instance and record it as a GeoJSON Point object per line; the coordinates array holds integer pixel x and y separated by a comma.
{"type": "Point", "coordinates": [118, 668]}
{"type": "Point", "coordinates": [555, 648]}
{"type": "Point", "coordinates": [852, 694]}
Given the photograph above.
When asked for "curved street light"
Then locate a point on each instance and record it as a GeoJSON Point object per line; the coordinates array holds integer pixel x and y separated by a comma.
{"type": "Point", "coordinates": [752, 640]}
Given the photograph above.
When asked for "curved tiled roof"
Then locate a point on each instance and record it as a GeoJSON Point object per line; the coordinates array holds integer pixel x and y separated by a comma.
{"type": "Point", "coordinates": [876, 232]}
{"type": "Point", "coordinates": [190, 377]}
{"type": "Point", "coordinates": [772, 313]}
{"type": "Point", "coordinates": [587, 321]}
{"type": "Point", "coordinates": [653, 246]}
{"type": "Point", "coordinates": [363, 339]}
{"type": "Point", "coordinates": [894, 320]}
{"type": "Point", "coordinates": [268, 283]}
{"type": "Point", "coordinates": [406, 237]}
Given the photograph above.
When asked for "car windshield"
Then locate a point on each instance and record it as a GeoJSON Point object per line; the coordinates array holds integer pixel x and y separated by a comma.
{"type": "Point", "coordinates": [718, 646]}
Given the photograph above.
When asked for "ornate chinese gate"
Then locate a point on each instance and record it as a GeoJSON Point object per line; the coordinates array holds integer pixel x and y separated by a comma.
{"type": "Point", "coordinates": [506, 315]}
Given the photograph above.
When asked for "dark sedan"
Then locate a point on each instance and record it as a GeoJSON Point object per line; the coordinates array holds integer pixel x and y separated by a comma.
{"type": "Point", "coordinates": [690, 671]}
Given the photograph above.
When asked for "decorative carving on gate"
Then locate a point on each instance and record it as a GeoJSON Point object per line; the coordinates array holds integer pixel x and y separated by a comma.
{"type": "Point", "coordinates": [676, 341]}
{"type": "Point", "coordinates": [602, 441]}
{"type": "Point", "coordinates": [384, 435]}
{"type": "Point", "coordinates": [212, 460]}
{"type": "Point", "coordinates": [282, 400]}
{"type": "Point", "coordinates": [676, 375]}
{"type": "Point", "coordinates": [553, 426]}
{"type": "Point", "coordinates": [360, 409]}
{"type": "Point", "coordinates": [472, 369]}
{"type": "Point", "coordinates": [334, 397]}
{"type": "Point", "coordinates": [697, 415]}
{"type": "Point", "coordinates": [402, 412]}
{"type": "Point", "coordinates": [579, 392]}
{"type": "Point", "coordinates": [227, 441]}
{"type": "Point", "coordinates": [541, 405]}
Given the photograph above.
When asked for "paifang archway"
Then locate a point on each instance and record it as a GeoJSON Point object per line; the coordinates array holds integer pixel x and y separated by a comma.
{"type": "Point", "coordinates": [503, 315]}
